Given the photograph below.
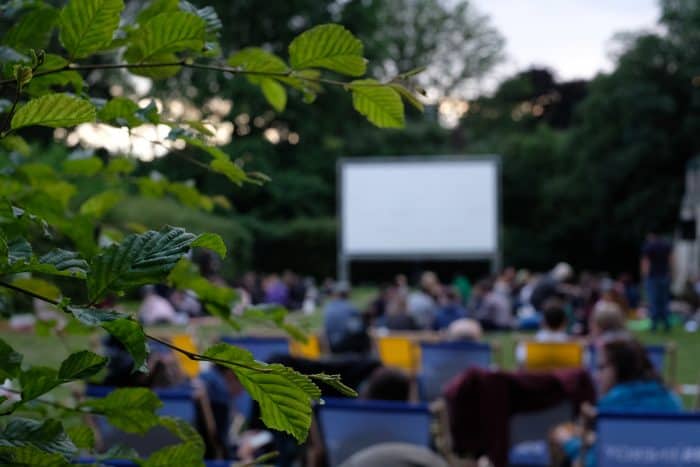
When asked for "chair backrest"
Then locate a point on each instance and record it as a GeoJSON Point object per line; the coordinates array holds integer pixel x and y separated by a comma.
{"type": "Point", "coordinates": [177, 402]}
{"type": "Point", "coordinates": [311, 349]}
{"type": "Point", "coordinates": [399, 351]}
{"type": "Point", "coordinates": [186, 342]}
{"type": "Point", "coordinates": [349, 425]}
{"type": "Point", "coordinates": [528, 432]}
{"type": "Point", "coordinates": [659, 440]}
{"type": "Point", "coordinates": [440, 362]}
{"type": "Point", "coordinates": [552, 355]}
{"type": "Point", "coordinates": [262, 348]}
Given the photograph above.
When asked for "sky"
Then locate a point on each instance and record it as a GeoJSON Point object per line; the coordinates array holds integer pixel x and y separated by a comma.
{"type": "Point", "coordinates": [573, 37]}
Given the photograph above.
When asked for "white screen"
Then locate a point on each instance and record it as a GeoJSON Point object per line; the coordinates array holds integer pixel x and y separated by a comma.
{"type": "Point", "coordinates": [419, 207]}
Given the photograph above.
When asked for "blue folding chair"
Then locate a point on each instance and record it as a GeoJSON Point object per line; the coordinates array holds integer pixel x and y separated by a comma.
{"type": "Point", "coordinates": [528, 434]}
{"type": "Point", "coordinates": [177, 402]}
{"type": "Point", "coordinates": [262, 348]}
{"type": "Point", "coordinates": [350, 425]}
{"type": "Point", "coordinates": [442, 361]}
{"type": "Point", "coordinates": [651, 439]}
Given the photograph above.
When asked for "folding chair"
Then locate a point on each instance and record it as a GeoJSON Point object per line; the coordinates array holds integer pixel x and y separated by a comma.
{"type": "Point", "coordinates": [349, 425]}
{"type": "Point", "coordinates": [552, 355]}
{"type": "Point", "coordinates": [177, 402]}
{"type": "Point", "coordinates": [311, 349]}
{"type": "Point", "coordinates": [186, 342]}
{"type": "Point", "coordinates": [648, 439]}
{"type": "Point", "coordinates": [662, 357]}
{"type": "Point", "coordinates": [399, 351]}
{"type": "Point", "coordinates": [529, 431]}
{"type": "Point", "coordinates": [440, 362]}
{"type": "Point", "coordinates": [262, 348]}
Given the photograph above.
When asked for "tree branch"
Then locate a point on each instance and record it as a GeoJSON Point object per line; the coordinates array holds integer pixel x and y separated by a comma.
{"type": "Point", "coordinates": [8, 118]}
{"type": "Point", "coordinates": [191, 355]}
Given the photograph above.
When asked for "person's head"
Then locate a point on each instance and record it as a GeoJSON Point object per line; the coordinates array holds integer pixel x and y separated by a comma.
{"type": "Point", "coordinates": [464, 329]}
{"type": "Point", "coordinates": [554, 315]}
{"type": "Point", "coordinates": [387, 384]}
{"type": "Point", "coordinates": [429, 282]}
{"type": "Point", "coordinates": [562, 272]}
{"type": "Point", "coordinates": [607, 318]}
{"type": "Point", "coordinates": [622, 360]}
{"type": "Point", "coordinates": [341, 289]}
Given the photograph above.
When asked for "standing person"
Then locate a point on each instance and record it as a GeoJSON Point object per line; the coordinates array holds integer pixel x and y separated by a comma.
{"type": "Point", "coordinates": [421, 303]}
{"type": "Point", "coordinates": [655, 269]}
{"type": "Point", "coordinates": [343, 324]}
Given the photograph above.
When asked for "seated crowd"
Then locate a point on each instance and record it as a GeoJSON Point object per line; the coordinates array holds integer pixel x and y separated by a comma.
{"type": "Point", "coordinates": [592, 312]}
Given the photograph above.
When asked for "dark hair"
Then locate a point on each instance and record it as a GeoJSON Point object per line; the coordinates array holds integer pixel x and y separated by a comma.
{"type": "Point", "coordinates": [554, 314]}
{"type": "Point", "coordinates": [387, 384]}
{"type": "Point", "coordinates": [629, 359]}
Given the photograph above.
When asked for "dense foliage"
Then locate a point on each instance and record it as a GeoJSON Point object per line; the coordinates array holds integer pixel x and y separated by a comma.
{"type": "Point", "coordinates": [55, 243]}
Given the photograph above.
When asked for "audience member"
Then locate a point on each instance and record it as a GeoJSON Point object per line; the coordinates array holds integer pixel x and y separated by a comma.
{"type": "Point", "coordinates": [449, 310]}
{"type": "Point", "coordinates": [607, 319]}
{"type": "Point", "coordinates": [343, 325]}
{"type": "Point", "coordinates": [156, 309]}
{"type": "Point", "coordinates": [464, 329]}
{"type": "Point", "coordinates": [656, 263]}
{"type": "Point", "coordinates": [276, 292]}
{"type": "Point", "coordinates": [421, 303]}
{"type": "Point", "coordinates": [495, 311]}
{"type": "Point", "coordinates": [387, 384]}
{"type": "Point", "coordinates": [396, 317]}
{"type": "Point", "coordinates": [628, 383]}
{"type": "Point", "coordinates": [552, 328]}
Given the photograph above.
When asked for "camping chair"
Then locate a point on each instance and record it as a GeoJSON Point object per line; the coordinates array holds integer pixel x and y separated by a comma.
{"type": "Point", "coordinates": [399, 351]}
{"type": "Point", "coordinates": [186, 342]}
{"type": "Point", "coordinates": [552, 355]}
{"type": "Point", "coordinates": [350, 425]}
{"type": "Point", "coordinates": [440, 362]}
{"type": "Point", "coordinates": [529, 431]}
{"type": "Point", "coordinates": [658, 439]}
{"type": "Point", "coordinates": [177, 402]}
{"type": "Point", "coordinates": [311, 349]}
{"type": "Point", "coordinates": [262, 348]}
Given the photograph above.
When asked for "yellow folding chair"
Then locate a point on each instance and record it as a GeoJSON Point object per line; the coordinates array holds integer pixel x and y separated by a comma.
{"type": "Point", "coordinates": [310, 350]}
{"type": "Point", "coordinates": [552, 355]}
{"type": "Point", "coordinates": [400, 352]}
{"type": "Point", "coordinates": [186, 342]}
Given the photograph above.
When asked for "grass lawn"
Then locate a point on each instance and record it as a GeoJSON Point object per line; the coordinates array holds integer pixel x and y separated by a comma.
{"type": "Point", "coordinates": [51, 350]}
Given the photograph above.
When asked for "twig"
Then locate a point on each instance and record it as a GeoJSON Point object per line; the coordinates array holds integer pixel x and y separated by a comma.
{"type": "Point", "coordinates": [187, 353]}
{"type": "Point", "coordinates": [51, 403]}
{"type": "Point", "coordinates": [7, 121]}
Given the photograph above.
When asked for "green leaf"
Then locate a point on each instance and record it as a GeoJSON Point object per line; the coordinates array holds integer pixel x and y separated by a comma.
{"type": "Point", "coordinates": [61, 263]}
{"type": "Point", "coordinates": [156, 7]}
{"type": "Point", "coordinates": [211, 241]}
{"type": "Point", "coordinates": [87, 166]}
{"type": "Point", "coordinates": [140, 259]}
{"type": "Point", "coordinates": [407, 95]}
{"type": "Point", "coordinates": [334, 382]}
{"type": "Point", "coordinates": [26, 456]}
{"type": "Point", "coordinates": [119, 452]}
{"type": "Point", "coordinates": [185, 431]}
{"type": "Point", "coordinates": [379, 103]}
{"type": "Point", "coordinates": [329, 46]}
{"type": "Point", "coordinates": [33, 30]}
{"type": "Point", "coordinates": [257, 60]}
{"type": "Point", "coordinates": [97, 206]}
{"type": "Point", "coordinates": [208, 14]}
{"type": "Point", "coordinates": [120, 165]}
{"type": "Point", "coordinates": [10, 361]}
{"type": "Point", "coordinates": [120, 111]}
{"type": "Point", "coordinates": [284, 395]}
{"type": "Point", "coordinates": [38, 286]}
{"type": "Point", "coordinates": [54, 110]}
{"type": "Point", "coordinates": [19, 251]}
{"type": "Point", "coordinates": [94, 316]}
{"type": "Point", "coordinates": [42, 85]}
{"type": "Point", "coordinates": [36, 381]}
{"type": "Point", "coordinates": [82, 436]}
{"type": "Point", "coordinates": [87, 26]}
{"type": "Point", "coordinates": [131, 335]}
{"type": "Point", "coordinates": [14, 143]}
{"type": "Point", "coordinates": [179, 454]}
{"type": "Point", "coordinates": [190, 196]}
{"type": "Point", "coordinates": [159, 38]}
{"type": "Point", "coordinates": [80, 365]}
{"type": "Point", "coordinates": [129, 409]}
{"type": "Point", "coordinates": [275, 94]}
{"type": "Point", "coordinates": [47, 435]}
{"type": "Point", "coordinates": [229, 169]}
{"type": "Point", "coordinates": [218, 300]}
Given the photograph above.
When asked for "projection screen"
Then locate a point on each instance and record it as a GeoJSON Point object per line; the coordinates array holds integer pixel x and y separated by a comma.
{"type": "Point", "coordinates": [427, 208]}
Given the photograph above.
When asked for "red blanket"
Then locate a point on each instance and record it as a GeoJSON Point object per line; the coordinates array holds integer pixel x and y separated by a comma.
{"type": "Point", "coordinates": [480, 403]}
